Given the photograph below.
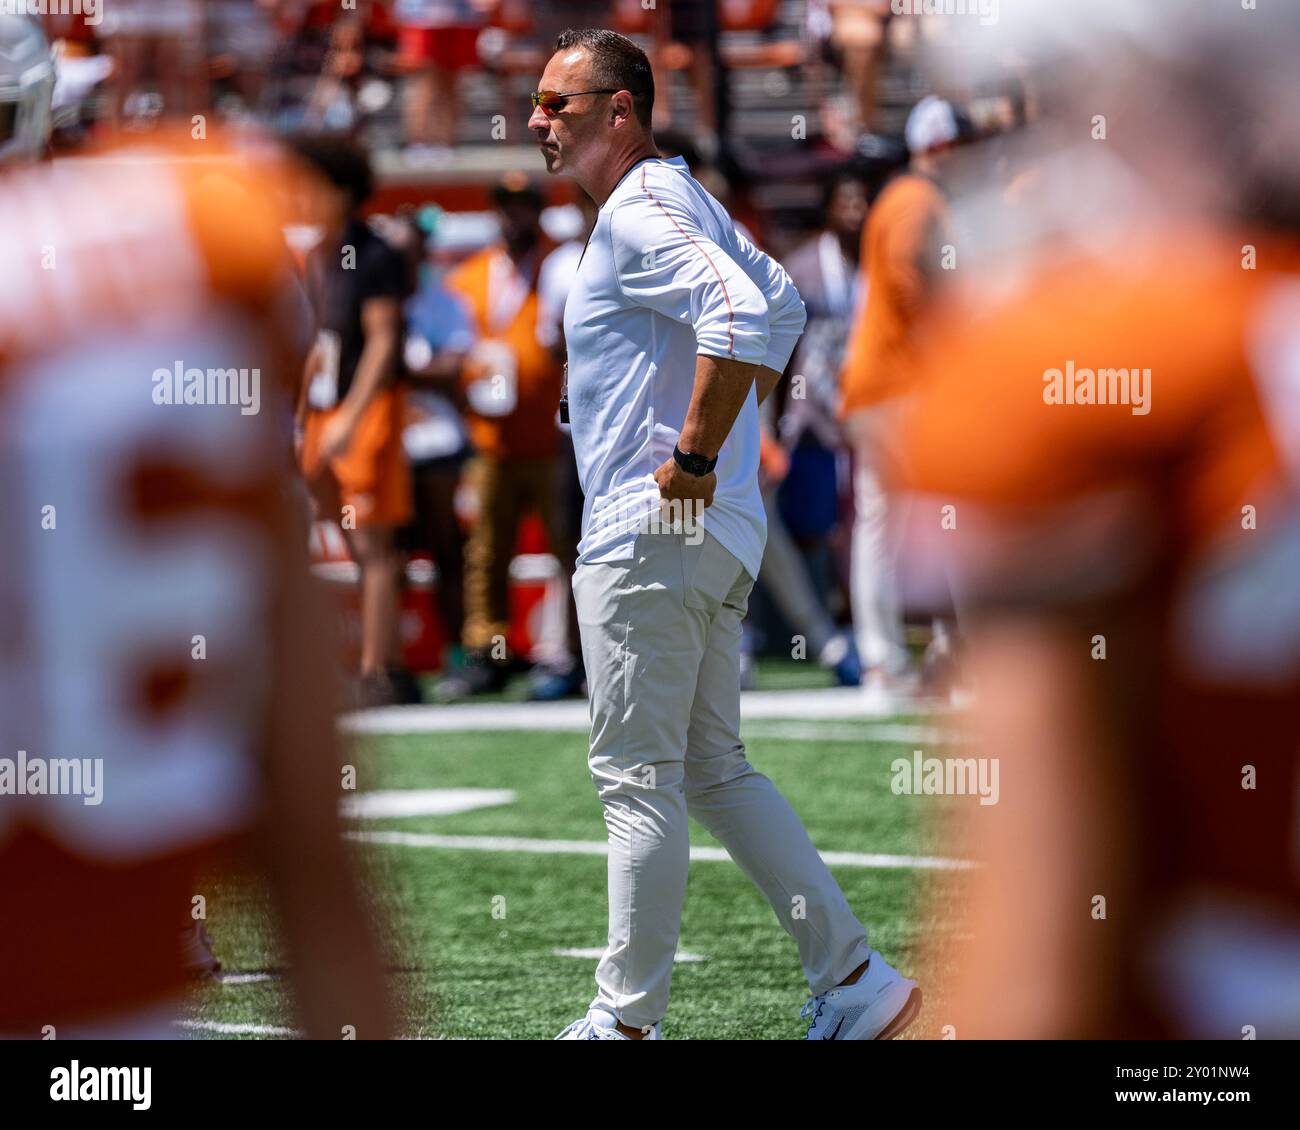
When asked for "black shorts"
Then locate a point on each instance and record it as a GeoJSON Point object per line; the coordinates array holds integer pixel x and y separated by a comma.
{"type": "Point", "coordinates": [414, 536]}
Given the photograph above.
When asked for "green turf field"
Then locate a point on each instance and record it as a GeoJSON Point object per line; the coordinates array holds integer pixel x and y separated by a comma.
{"type": "Point", "coordinates": [472, 933]}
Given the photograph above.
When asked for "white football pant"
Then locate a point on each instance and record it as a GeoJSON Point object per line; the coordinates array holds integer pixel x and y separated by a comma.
{"type": "Point", "coordinates": [661, 642]}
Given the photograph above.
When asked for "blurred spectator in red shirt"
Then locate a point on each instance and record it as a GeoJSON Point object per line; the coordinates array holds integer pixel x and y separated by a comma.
{"type": "Point", "coordinates": [437, 40]}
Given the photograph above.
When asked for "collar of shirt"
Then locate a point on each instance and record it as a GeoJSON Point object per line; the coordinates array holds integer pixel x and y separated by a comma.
{"type": "Point", "coordinates": [610, 200]}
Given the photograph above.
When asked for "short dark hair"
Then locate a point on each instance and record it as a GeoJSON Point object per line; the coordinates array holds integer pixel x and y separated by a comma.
{"type": "Point", "coordinates": [843, 175]}
{"type": "Point", "coordinates": [516, 186]}
{"type": "Point", "coordinates": [616, 63]}
{"type": "Point", "coordinates": [340, 160]}
{"type": "Point", "coordinates": [678, 143]}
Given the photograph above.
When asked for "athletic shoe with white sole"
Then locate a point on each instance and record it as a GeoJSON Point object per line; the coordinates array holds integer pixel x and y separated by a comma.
{"type": "Point", "coordinates": [600, 1025]}
{"type": "Point", "coordinates": [877, 1006]}
{"type": "Point", "coordinates": [197, 954]}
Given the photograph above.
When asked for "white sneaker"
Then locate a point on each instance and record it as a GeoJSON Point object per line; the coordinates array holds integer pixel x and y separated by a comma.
{"type": "Point", "coordinates": [878, 1006]}
{"type": "Point", "coordinates": [600, 1025]}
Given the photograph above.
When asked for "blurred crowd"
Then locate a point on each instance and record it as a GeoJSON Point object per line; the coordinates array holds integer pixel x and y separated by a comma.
{"type": "Point", "coordinates": [477, 340]}
{"type": "Point", "coordinates": [322, 64]}
{"type": "Point", "coordinates": [427, 424]}
{"type": "Point", "coordinates": [434, 419]}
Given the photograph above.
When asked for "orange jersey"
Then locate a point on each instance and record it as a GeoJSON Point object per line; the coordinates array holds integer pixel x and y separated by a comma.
{"type": "Point", "coordinates": [143, 401]}
{"type": "Point", "coordinates": [1119, 448]}
{"type": "Point", "coordinates": [514, 368]}
{"type": "Point", "coordinates": [900, 249]}
{"type": "Point", "coordinates": [1013, 410]}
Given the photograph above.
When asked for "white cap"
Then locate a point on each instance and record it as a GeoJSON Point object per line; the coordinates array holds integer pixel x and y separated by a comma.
{"type": "Point", "coordinates": [932, 123]}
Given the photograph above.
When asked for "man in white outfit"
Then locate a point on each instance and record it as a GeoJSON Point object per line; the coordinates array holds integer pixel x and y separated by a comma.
{"type": "Point", "coordinates": [677, 327]}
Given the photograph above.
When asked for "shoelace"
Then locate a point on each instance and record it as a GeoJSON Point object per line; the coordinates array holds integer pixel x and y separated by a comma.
{"type": "Point", "coordinates": [586, 1030]}
{"type": "Point", "coordinates": [813, 1008]}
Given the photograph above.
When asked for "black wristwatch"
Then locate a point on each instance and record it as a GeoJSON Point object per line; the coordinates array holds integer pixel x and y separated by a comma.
{"type": "Point", "coordinates": [693, 464]}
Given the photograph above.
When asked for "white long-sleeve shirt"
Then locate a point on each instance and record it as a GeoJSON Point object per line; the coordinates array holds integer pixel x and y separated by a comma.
{"type": "Point", "coordinates": [667, 277]}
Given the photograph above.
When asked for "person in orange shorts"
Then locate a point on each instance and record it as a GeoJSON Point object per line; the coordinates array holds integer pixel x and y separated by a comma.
{"type": "Point", "coordinates": [352, 405]}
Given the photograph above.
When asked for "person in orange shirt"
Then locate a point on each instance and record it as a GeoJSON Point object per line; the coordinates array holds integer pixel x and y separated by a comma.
{"type": "Point", "coordinates": [901, 249]}
{"type": "Point", "coordinates": [512, 386]}
{"type": "Point", "coordinates": [1124, 540]}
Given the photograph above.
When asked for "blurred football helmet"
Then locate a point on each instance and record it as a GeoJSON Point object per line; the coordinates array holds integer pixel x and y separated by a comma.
{"type": "Point", "coordinates": [26, 89]}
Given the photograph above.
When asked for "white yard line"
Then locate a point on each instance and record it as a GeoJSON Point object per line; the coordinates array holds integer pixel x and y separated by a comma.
{"type": "Point", "coordinates": [865, 731]}
{"type": "Point", "coordinates": [236, 1029]}
{"type": "Point", "coordinates": [599, 847]}
{"type": "Point", "coordinates": [387, 804]}
{"type": "Point", "coordinates": [595, 953]}
{"type": "Point", "coordinates": [831, 704]}
{"type": "Point", "coordinates": [270, 1030]}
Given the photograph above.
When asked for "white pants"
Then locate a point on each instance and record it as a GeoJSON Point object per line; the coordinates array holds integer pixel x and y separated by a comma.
{"type": "Point", "coordinates": [873, 586]}
{"type": "Point", "coordinates": [661, 642]}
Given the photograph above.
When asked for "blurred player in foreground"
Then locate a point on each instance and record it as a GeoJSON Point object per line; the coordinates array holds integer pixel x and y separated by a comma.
{"type": "Point", "coordinates": [1116, 434]}
{"type": "Point", "coordinates": [163, 690]}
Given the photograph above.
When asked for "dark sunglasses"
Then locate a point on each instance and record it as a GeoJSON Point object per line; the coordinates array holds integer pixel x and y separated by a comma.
{"type": "Point", "coordinates": [552, 101]}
